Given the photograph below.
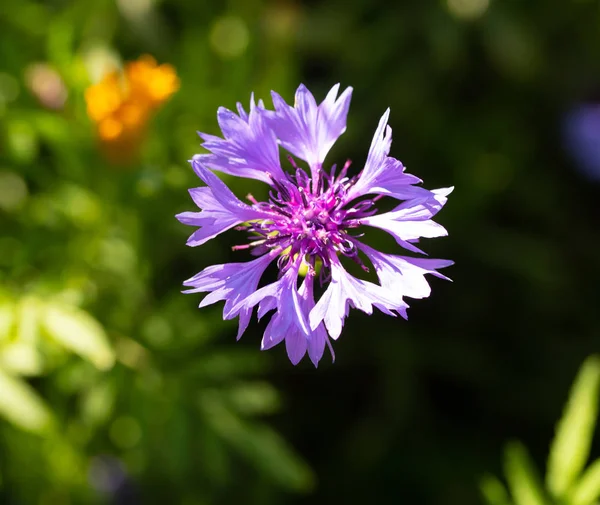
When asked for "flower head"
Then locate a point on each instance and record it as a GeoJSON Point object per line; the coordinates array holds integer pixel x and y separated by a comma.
{"type": "Point", "coordinates": [313, 218]}
{"type": "Point", "coordinates": [122, 104]}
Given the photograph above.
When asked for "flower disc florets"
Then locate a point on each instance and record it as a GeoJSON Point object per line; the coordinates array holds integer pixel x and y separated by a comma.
{"type": "Point", "coordinates": [310, 223]}
{"type": "Point", "coordinates": [309, 219]}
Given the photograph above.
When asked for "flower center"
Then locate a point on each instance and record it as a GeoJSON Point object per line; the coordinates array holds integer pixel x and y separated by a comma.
{"type": "Point", "coordinates": [318, 222]}
{"type": "Point", "coordinates": [307, 221]}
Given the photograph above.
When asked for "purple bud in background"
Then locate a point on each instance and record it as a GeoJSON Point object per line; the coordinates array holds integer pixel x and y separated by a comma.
{"type": "Point", "coordinates": [582, 138]}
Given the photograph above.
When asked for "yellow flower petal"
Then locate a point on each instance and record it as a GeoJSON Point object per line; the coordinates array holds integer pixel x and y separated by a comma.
{"type": "Point", "coordinates": [110, 129]}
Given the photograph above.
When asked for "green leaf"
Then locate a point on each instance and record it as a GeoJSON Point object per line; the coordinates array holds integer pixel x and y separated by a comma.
{"type": "Point", "coordinates": [21, 405]}
{"type": "Point", "coordinates": [79, 332]}
{"type": "Point", "coordinates": [493, 491]}
{"type": "Point", "coordinates": [21, 358]}
{"type": "Point", "coordinates": [28, 313]}
{"type": "Point", "coordinates": [571, 446]}
{"type": "Point", "coordinates": [521, 474]}
{"type": "Point", "coordinates": [587, 490]}
{"type": "Point", "coordinates": [20, 353]}
{"type": "Point", "coordinates": [7, 319]}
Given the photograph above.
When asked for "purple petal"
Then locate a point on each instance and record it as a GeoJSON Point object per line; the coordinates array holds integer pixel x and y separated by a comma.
{"type": "Point", "coordinates": [280, 329]}
{"type": "Point", "coordinates": [345, 291]}
{"type": "Point", "coordinates": [266, 305]}
{"type": "Point", "coordinates": [411, 219]}
{"type": "Point", "coordinates": [306, 130]}
{"type": "Point", "coordinates": [221, 209]}
{"type": "Point", "coordinates": [383, 175]}
{"type": "Point", "coordinates": [231, 282]}
{"type": "Point", "coordinates": [316, 344]}
{"type": "Point", "coordinates": [273, 334]}
{"type": "Point", "coordinates": [285, 293]}
{"type": "Point", "coordinates": [318, 337]}
{"type": "Point", "coordinates": [402, 275]}
{"type": "Point", "coordinates": [210, 225]}
{"type": "Point", "coordinates": [249, 148]}
{"type": "Point", "coordinates": [297, 343]}
{"type": "Point", "coordinates": [220, 192]}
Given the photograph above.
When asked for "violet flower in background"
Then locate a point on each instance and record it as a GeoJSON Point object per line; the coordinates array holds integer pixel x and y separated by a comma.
{"type": "Point", "coordinates": [313, 219]}
{"type": "Point", "coordinates": [108, 475]}
{"type": "Point", "coordinates": [582, 137]}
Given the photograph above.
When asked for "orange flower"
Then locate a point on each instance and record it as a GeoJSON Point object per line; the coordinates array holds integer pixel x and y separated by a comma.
{"type": "Point", "coordinates": [121, 104]}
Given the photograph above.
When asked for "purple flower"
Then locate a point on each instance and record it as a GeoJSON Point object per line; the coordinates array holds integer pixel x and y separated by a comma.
{"type": "Point", "coordinates": [313, 221]}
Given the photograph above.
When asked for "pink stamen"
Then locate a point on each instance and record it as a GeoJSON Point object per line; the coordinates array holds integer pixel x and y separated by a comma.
{"type": "Point", "coordinates": [247, 246]}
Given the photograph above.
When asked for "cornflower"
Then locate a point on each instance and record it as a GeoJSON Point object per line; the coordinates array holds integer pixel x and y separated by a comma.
{"type": "Point", "coordinates": [312, 218]}
{"type": "Point", "coordinates": [121, 104]}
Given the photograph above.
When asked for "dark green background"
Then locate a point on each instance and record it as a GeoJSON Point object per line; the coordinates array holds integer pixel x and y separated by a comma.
{"type": "Point", "coordinates": [412, 411]}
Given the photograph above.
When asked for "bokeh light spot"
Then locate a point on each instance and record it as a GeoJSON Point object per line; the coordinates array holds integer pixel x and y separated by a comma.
{"type": "Point", "coordinates": [9, 88]}
{"type": "Point", "coordinates": [157, 332]}
{"type": "Point", "coordinates": [468, 9]}
{"type": "Point", "coordinates": [125, 432]}
{"type": "Point", "coordinates": [13, 191]}
{"type": "Point", "coordinates": [281, 20]}
{"type": "Point", "coordinates": [22, 141]}
{"type": "Point", "coordinates": [46, 85]}
{"type": "Point", "coordinates": [80, 206]}
{"type": "Point", "coordinates": [99, 61]}
{"type": "Point", "coordinates": [135, 9]}
{"type": "Point", "coordinates": [229, 37]}
{"type": "Point", "coordinates": [110, 129]}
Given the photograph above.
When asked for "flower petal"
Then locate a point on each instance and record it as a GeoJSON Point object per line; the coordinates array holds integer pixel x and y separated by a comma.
{"type": "Point", "coordinates": [306, 130]}
{"type": "Point", "coordinates": [273, 334]}
{"type": "Point", "coordinates": [221, 209]}
{"type": "Point", "coordinates": [280, 329]}
{"type": "Point", "coordinates": [249, 148]}
{"type": "Point", "coordinates": [402, 275]}
{"type": "Point", "coordinates": [383, 175]}
{"type": "Point", "coordinates": [316, 344]}
{"type": "Point", "coordinates": [318, 337]}
{"type": "Point", "coordinates": [285, 292]}
{"type": "Point", "coordinates": [411, 219]}
{"type": "Point", "coordinates": [231, 282]}
{"type": "Point", "coordinates": [297, 343]}
{"type": "Point", "coordinates": [345, 291]}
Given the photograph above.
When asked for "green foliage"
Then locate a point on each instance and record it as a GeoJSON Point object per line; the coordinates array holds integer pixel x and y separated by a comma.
{"type": "Point", "coordinates": [77, 331]}
{"type": "Point", "coordinates": [571, 447]}
{"type": "Point", "coordinates": [523, 481]}
{"type": "Point", "coordinates": [100, 354]}
{"type": "Point", "coordinates": [21, 405]}
{"type": "Point", "coordinates": [566, 482]}
{"type": "Point", "coordinates": [587, 490]}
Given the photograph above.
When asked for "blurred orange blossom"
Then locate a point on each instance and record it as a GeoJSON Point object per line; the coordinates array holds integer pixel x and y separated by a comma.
{"type": "Point", "coordinates": [122, 103]}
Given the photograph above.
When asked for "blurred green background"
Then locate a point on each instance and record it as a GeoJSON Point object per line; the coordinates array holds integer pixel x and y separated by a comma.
{"type": "Point", "coordinates": [115, 388]}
